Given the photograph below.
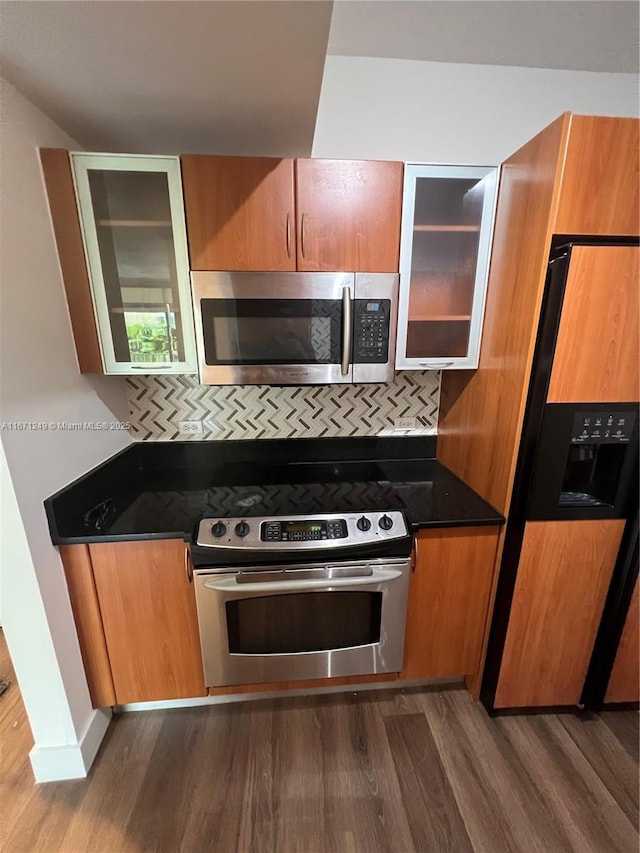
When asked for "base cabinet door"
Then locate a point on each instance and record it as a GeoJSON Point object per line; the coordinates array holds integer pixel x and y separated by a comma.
{"type": "Point", "coordinates": [148, 608]}
{"type": "Point", "coordinates": [449, 595]}
{"type": "Point", "coordinates": [86, 613]}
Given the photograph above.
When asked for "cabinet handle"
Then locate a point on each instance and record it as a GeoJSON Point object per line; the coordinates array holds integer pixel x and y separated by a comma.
{"type": "Point", "coordinates": [434, 365]}
{"type": "Point", "coordinates": [302, 235]}
{"type": "Point", "coordinates": [147, 367]}
{"type": "Point", "coordinates": [288, 235]}
{"type": "Point", "coordinates": [414, 554]}
{"type": "Point", "coordinates": [188, 567]}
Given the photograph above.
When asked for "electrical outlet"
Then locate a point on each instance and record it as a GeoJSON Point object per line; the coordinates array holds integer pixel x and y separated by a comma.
{"type": "Point", "coordinates": [190, 427]}
{"type": "Point", "coordinates": [404, 423]}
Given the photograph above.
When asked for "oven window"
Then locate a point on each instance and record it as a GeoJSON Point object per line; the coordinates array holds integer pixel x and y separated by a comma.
{"type": "Point", "coordinates": [272, 331]}
{"type": "Point", "coordinates": [303, 622]}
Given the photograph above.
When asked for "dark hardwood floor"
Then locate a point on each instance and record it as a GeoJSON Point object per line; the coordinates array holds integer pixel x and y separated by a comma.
{"type": "Point", "coordinates": [415, 770]}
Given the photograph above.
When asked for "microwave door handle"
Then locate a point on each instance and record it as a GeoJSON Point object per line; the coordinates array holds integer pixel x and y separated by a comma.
{"type": "Point", "coordinates": [346, 331]}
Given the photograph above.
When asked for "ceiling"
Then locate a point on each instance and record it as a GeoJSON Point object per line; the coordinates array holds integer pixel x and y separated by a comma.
{"type": "Point", "coordinates": [172, 77]}
{"type": "Point", "coordinates": [581, 35]}
{"type": "Point", "coordinates": [244, 76]}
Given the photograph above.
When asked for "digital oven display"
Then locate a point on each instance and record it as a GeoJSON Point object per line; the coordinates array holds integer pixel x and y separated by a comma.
{"type": "Point", "coordinates": [305, 529]}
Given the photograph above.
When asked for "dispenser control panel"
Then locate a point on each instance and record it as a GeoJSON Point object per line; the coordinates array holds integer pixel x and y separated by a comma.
{"type": "Point", "coordinates": [603, 427]}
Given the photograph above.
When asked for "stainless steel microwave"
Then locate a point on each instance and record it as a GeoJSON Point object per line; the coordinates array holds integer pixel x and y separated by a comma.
{"type": "Point", "coordinates": [288, 328]}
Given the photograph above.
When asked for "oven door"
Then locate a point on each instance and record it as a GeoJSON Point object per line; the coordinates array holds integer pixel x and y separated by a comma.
{"type": "Point", "coordinates": [306, 621]}
{"type": "Point", "coordinates": [280, 328]}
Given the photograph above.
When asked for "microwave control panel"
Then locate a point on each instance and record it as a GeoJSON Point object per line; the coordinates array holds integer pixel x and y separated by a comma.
{"type": "Point", "coordinates": [371, 331]}
{"type": "Point", "coordinates": [602, 427]}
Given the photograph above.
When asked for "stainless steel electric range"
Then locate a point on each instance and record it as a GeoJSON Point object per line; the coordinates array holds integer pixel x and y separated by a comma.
{"type": "Point", "coordinates": [301, 596]}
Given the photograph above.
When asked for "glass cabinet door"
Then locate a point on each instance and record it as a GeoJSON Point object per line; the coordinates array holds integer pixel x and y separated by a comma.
{"type": "Point", "coordinates": [133, 225]}
{"type": "Point", "coordinates": [447, 223]}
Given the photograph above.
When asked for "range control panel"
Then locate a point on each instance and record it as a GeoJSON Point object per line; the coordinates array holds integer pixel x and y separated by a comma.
{"type": "Point", "coordinates": [304, 530]}
{"type": "Point", "coordinates": [371, 331]}
{"type": "Point", "coordinates": [601, 427]}
{"type": "Point", "coordinates": [295, 533]}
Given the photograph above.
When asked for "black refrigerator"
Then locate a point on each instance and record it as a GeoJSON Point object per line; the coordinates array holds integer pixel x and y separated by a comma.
{"type": "Point", "coordinates": [570, 559]}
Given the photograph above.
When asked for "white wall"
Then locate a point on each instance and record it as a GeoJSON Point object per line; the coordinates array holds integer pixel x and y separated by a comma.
{"type": "Point", "coordinates": [40, 382]}
{"type": "Point", "coordinates": [441, 112]}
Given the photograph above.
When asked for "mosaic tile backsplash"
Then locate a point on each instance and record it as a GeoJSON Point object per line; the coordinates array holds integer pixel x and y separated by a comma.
{"type": "Point", "coordinates": [158, 403]}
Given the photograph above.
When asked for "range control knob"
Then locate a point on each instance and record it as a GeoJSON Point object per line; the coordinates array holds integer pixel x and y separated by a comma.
{"type": "Point", "coordinates": [385, 522]}
{"type": "Point", "coordinates": [242, 528]}
{"type": "Point", "coordinates": [218, 529]}
{"type": "Point", "coordinates": [363, 523]}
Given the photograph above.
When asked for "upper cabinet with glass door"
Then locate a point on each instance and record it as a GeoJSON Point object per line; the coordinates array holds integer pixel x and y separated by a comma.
{"type": "Point", "coordinates": [447, 223]}
{"type": "Point", "coordinates": [132, 219]}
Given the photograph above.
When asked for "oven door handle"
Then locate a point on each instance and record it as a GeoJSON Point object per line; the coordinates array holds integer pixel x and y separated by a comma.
{"type": "Point", "coordinates": [330, 573]}
{"type": "Point", "coordinates": [347, 326]}
{"type": "Point", "coordinates": [230, 584]}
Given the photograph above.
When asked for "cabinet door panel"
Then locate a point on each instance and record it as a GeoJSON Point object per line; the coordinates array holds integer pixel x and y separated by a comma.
{"type": "Point", "coordinates": [348, 214]}
{"type": "Point", "coordinates": [132, 216]}
{"type": "Point", "coordinates": [448, 600]}
{"type": "Point", "coordinates": [624, 682]}
{"type": "Point", "coordinates": [58, 178]}
{"type": "Point", "coordinates": [597, 353]}
{"type": "Point", "coordinates": [86, 613]}
{"type": "Point", "coordinates": [563, 576]}
{"type": "Point", "coordinates": [600, 177]}
{"type": "Point", "coordinates": [444, 256]}
{"type": "Point", "coordinates": [240, 212]}
{"type": "Point", "coordinates": [150, 622]}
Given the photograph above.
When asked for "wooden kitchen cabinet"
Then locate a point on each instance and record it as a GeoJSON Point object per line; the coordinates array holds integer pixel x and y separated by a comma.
{"type": "Point", "coordinates": [86, 613]}
{"type": "Point", "coordinates": [240, 212]}
{"type": "Point", "coordinates": [576, 177]}
{"type": "Point", "coordinates": [600, 188]}
{"type": "Point", "coordinates": [255, 213]}
{"type": "Point", "coordinates": [447, 222]}
{"type": "Point", "coordinates": [148, 608]}
{"type": "Point", "coordinates": [348, 215]}
{"type": "Point", "coordinates": [135, 613]}
{"type": "Point", "coordinates": [119, 226]}
{"type": "Point", "coordinates": [448, 601]}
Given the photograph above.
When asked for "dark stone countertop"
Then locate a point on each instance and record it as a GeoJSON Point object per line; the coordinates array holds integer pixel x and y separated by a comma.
{"type": "Point", "coordinates": [162, 489]}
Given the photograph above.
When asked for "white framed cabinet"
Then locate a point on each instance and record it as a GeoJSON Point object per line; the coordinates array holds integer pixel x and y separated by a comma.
{"type": "Point", "coordinates": [133, 228]}
{"type": "Point", "coordinates": [445, 244]}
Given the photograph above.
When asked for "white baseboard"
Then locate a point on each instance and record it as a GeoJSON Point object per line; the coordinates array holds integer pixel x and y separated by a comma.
{"type": "Point", "coordinates": [71, 761]}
